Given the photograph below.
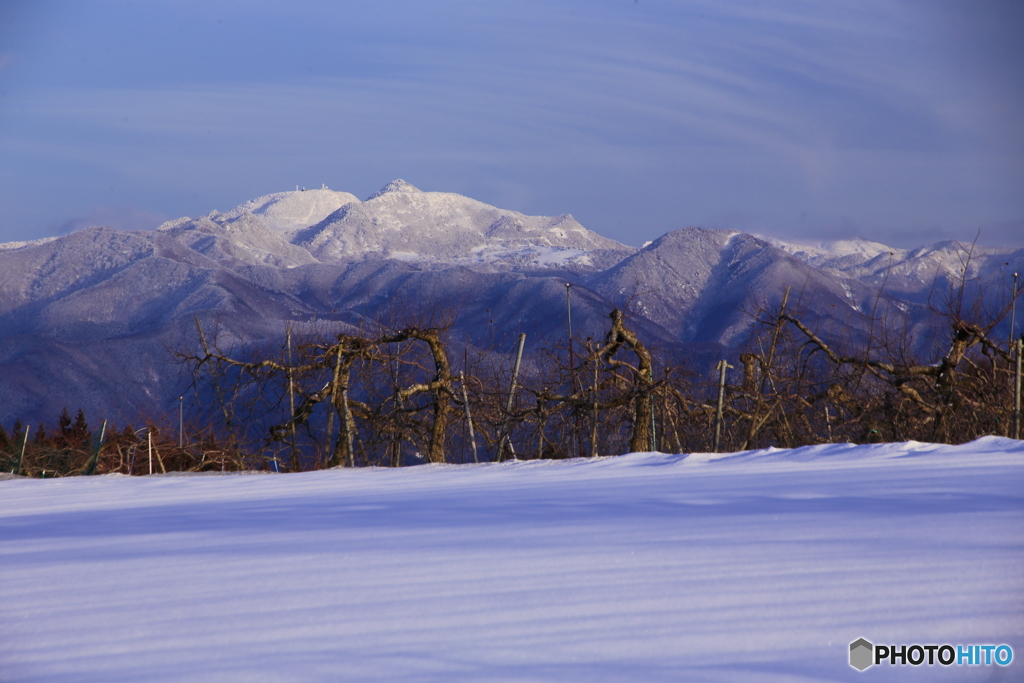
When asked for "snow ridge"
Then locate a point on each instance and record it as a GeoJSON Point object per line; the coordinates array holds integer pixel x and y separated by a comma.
{"type": "Point", "coordinates": [394, 186]}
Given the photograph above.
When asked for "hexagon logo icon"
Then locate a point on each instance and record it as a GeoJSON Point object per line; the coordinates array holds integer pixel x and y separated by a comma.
{"type": "Point", "coordinates": [862, 654]}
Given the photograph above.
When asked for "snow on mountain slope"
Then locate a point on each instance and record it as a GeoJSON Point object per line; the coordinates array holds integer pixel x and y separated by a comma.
{"type": "Point", "coordinates": [834, 254]}
{"type": "Point", "coordinates": [124, 298]}
{"type": "Point", "coordinates": [129, 292]}
{"type": "Point", "coordinates": [735, 568]}
{"type": "Point", "coordinates": [103, 298]}
{"type": "Point", "coordinates": [406, 222]}
{"type": "Point", "coordinates": [916, 274]}
{"type": "Point", "coordinates": [399, 221]}
{"type": "Point", "coordinates": [398, 185]}
{"type": "Point", "coordinates": [90, 319]}
{"type": "Point", "coordinates": [243, 240]}
{"type": "Point", "coordinates": [938, 268]}
{"type": "Point", "coordinates": [45, 270]}
{"type": "Point", "coordinates": [29, 243]}
{"type": "Point", "coordinates": [292, 210]}
{"type": "Point", "coordinates": [706, 284]}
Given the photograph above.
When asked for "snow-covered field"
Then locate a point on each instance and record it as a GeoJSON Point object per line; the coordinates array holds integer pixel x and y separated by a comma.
{"type": "Point", "coordinates": [760, 566]}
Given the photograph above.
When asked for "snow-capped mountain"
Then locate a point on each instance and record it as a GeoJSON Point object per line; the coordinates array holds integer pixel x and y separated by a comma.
{"type": "Point", "coordinates": [292, 210]}
{"type": "Point", "coordinates": [705, 285]}
{"type": "Point", "coordinates": [921, 274]}
{"type": "Point", "coordinates": [835, 254]}
{"type": "Point", "coordinates": [400, 222]}
{"type": "Point", "coordinates": [90, 319]}
{"type": "Point", "coordinates": [403, 222]}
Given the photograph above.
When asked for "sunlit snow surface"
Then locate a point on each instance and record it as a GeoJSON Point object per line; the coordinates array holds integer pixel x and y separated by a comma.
{"type": "Point", "coordinates": [761, 566]}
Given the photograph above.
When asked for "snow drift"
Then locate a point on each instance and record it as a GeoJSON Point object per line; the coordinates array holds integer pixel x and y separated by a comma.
{"type": "Point", "coordinates": [758, 566]}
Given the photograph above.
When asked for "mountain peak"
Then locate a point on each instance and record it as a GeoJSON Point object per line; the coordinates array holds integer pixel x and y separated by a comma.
{"type": "Point", "coordinates": [394, 186]}
{"type": "Point", "coordinates": [290, 210]}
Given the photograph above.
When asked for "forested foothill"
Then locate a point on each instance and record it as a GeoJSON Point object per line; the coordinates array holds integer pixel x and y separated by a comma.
{"type": "Point", "coordinates": [405, 392]}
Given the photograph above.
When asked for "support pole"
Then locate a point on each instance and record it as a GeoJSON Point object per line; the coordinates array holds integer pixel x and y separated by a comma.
{"type": "Point", "coordinates": [593, 426]}
{"type": "Point", "coordinates": [396, 442]}
{"type": "Point", "coordinates": [24, 442]}
{"type": "Point", "coordinates": [291, 390]}
{"type": "Point", "coordinates": [181, 422]}
{"type": "Point", "coordinates": [722, 367]}
{"type": "Point", "coordinates": [90, 466]}
{"type": "Point", "coordinates": [469, 417]}
{"type": "Point", "coordinates": [1013, 310]}
{"type": "Point", "coordinates": [568, 310]}
{"type": "Point", "coordinates": [334, 403]}
{"type": "Point", "coordinates": [572, 366]}
{"type": "Point", "coordinates": [505, 438]}
{"type": "Point", "coordinates": [149, 447]}
{"type": "Point", "coordinates": [1017, 347]}
{"type": "Point", "coordinates": [1016, 399]}
{"type": "Point", "coordinates": [654, 431]}
{"type": "Point", "coordinates": [541, 421]}
{"type": "Point", "coordinates": [349, 431]}
{"type": "Point", "coordinates": [159, 458]}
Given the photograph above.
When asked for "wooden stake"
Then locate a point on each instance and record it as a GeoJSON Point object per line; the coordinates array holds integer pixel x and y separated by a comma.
{"type": "Point", "coordinates": [1016, 400]}
{"type": "Point", "coordinates": [24, 442]}
{"type": "Point", "coordinates": [396, 442]}
{"type": "Point", "coordinates": [722, 367]}
{"type": "Point", "coordinates": [347, 414]}
{"type": "Point", "coordinates": [505, 438]}
{"type": "Point", "coordinates": [291, 389]}
{"type": "Point", "coordinates": [159, 458]}
{"type": "Point", "coordinates": [334, 403]}
{"type": "Point", "coordinates": [1017, 347]}
{"type": "Point", "coordinates": [1013, 309]}
{"type": "Point", "coordinates": [90, 466]}
{"type": "Point", "coordinates": [541, 420]}
{"type": "Point", "coordinates": [469, 418]}
{"type": "Point", "coordinates": [654, 432]}
{"type": "Point", "coordinates": [593, 426]}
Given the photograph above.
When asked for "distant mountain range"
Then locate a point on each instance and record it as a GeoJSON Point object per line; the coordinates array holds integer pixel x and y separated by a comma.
{"type": "Point", "coordinates": [89, 319]}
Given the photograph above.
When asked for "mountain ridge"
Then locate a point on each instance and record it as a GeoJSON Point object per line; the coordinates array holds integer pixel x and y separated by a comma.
{"type": "Point", "coordinates": [101, 298]}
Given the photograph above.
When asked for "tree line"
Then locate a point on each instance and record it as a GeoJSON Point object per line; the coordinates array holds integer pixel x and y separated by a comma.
{"type": "Point", "coordinates": [392, 395]}
{"type": "Point", "coordinates": [73, 447]}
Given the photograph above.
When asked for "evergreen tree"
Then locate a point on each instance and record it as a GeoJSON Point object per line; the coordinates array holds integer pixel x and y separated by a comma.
{"type": "Point", "coordinates": [80, 430]}
{"type": "Point", "coordinates": [40, 437]}
{"type": "Point", "coordinates": [63, 437]}
{"type": "Point", "coordinates": [64, 422]}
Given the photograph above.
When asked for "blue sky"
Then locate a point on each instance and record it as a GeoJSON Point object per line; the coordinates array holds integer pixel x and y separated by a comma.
{"type": "Point", "coordinates": [890, 120]}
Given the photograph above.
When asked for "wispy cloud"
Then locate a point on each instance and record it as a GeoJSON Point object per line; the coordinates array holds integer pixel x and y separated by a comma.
{"type": "Point", "coordinates": [691, 110]}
